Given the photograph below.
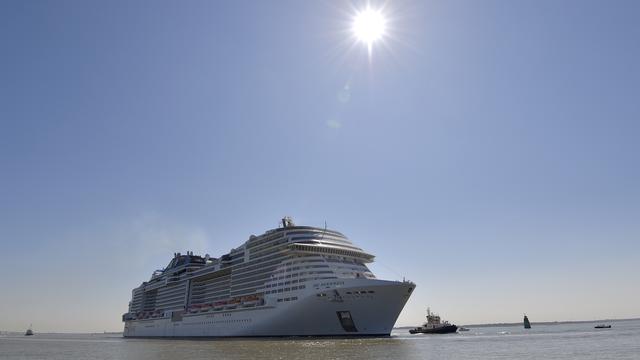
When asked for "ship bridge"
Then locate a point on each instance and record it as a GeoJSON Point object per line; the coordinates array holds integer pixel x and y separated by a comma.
{"type": "Point", "coordinates": [325, 242]}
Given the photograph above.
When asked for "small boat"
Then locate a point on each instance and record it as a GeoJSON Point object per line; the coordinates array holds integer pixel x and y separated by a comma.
{"type": "Point", "coordinates": [462, 329]}
{"type": "Point", "coordinates": [29, 331]}
{"type": "Point", "coordinates": [527, 324]}
{"type": "Point", "coordinates": [434, 326]}
{"type": "Point", "coordinates": [602, 326]}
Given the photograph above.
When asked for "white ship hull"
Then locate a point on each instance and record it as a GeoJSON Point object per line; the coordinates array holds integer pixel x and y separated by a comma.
{"type": "Point", "coordinates": [373, 307]}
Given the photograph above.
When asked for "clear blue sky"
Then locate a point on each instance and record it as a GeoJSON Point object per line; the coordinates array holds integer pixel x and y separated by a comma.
{"type": "Point", "coordinates": [489, 151]}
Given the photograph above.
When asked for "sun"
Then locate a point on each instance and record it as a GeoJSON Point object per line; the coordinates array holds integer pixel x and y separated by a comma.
{"type": "Point", "coordinates": [369, 26]}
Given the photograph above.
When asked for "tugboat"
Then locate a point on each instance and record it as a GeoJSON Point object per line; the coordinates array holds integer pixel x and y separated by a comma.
{"type": "Point", "coordinates": [434, 326]}
{"type": "Point", "coordinates": [29, 331]}
{"type": "Point", "coordinates": [527, 324]}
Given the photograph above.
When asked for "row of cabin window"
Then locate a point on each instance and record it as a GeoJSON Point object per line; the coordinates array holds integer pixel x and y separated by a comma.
{"type": "Point", "coordinates": [342, 260]}
{"type": "Point", "coordinates": [256, 264]}
{"type": "Point", "coordinates": [285, 283]}
{"type": "Point", "coordinates": [265, 267]}
{"type": "Point", "coordinates": [264, 240]}
{"type": "Point", "coordinates": [211, 287]}
{"type": "Point", "coordinates": [298, 280]}
{"type": "Point", "coordinates": [361, 292]}
{"type": "Point", "coordinates": [267, 249]}
{"type": "Point", "coordinates": [219, 322]}
{"type": "Point", "coordinates": [302, 273]}
{"type": "Point", "coordinates": [295, 268]}
{"type": "Point", "coordinates": [266, 245]}
{"type": "Point", "coordinates": [349, 293]}
{"type": "Point", "coordinates": [303, 261]}
{"type": "Point", "coordinates": [357, 265]}
{"type": "Point", "coordinates": [285, 289]}
{"type": "Point", "coordinates": [288, 299]}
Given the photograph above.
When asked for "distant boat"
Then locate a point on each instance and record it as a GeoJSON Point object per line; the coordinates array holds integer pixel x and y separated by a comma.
{"type": "Point", "coordinates": [462, 329]}
{"type": "Point", "coordinates": [602, 326]}
{"type": "Point", "coordinates": [527, 324]}
{"type": "Point", "coordinates": [434, 326]}
{"type": "Point", "coordinates": [29, 331]}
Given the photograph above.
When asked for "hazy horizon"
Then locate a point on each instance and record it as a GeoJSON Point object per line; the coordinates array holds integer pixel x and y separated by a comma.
{"type": "Point", "coordinates": [487, 151]}
{"type": "Point", "coordinates": [17, 331]}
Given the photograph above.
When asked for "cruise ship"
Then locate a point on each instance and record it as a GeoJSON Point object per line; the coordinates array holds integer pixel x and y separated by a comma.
{"type": "Point", "coordinates": [289, 281]}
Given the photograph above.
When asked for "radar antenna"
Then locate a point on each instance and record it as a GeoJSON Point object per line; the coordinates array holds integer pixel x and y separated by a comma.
{"type": "Point", "coordinates": [287, 222]}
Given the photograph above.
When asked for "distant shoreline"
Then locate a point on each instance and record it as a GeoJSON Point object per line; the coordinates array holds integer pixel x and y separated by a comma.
{"type": "Point", "coordinates": [5, 332]}
{"type": "Point", "coordinates": [537, 323]}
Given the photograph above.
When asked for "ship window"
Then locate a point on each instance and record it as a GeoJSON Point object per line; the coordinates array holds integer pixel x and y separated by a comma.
{"type": "Point", "coordinates": [287, 299]}
{"type": "Point", "coordinates": [294, 298]}
{"type": "Point", "coordinates": [279, 290]}
{"type": "Point", "coordinates": [287, 289]}
{"type": "Point", "coordinates": [294, 288]}
{"type": "Point", "coordinates": [279, 300]}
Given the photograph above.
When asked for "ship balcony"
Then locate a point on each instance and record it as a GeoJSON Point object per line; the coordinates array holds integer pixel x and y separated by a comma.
{"type": "Point", "coordinates": [172, 279]}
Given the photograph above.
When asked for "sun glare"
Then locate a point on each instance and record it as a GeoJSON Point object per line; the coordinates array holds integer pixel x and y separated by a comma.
{"type": "Point", "coordinates": [369, 25]}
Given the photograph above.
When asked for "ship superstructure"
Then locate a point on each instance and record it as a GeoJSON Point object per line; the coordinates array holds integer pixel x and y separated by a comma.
{"type": "Point", "coordinates": [289, 281]}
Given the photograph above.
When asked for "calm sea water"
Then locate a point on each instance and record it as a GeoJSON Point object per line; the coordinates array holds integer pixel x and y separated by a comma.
{"type": "Point", "coordinates": [561, 341]}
